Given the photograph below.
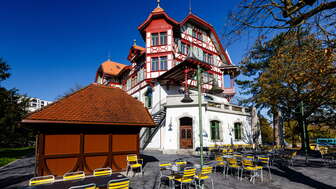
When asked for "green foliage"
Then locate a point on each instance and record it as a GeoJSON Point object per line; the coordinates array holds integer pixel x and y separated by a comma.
{"type": "Point", "coordinates": [293, 67]}
{"type": "Point", "coordinates": [292, 132]}
{"type": "Point", "coordinates": [266, 130]}
{"type": "Point", "coordinates": [12, 109]}
{"type": "Point", "coordinates": [8, 155]}
{"type": "Point", "coordinates": [4, 70]}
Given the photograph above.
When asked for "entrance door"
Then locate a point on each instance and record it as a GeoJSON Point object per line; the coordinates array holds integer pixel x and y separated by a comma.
{"type": "Point", "coordinates": [186, 134]}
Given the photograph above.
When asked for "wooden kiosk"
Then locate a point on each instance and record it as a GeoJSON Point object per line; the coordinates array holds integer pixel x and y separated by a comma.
{"type": "Point", "coordinates": [94, 127]}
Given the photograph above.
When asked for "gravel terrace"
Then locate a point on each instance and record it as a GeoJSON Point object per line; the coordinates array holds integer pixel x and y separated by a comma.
{"type": "Point", "coordinates": [300, 176]}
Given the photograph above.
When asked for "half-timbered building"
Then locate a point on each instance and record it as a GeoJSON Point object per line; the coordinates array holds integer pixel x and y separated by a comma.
{"type": "Point", "coordinates": [162, 73]}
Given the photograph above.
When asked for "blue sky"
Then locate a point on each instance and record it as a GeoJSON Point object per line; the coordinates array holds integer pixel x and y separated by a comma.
{"type": "Point", "coordinates": [52, 46]}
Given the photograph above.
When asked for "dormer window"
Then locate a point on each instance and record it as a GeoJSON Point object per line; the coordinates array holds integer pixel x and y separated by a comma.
{"type": "Point", "coordinates": [159, 38]}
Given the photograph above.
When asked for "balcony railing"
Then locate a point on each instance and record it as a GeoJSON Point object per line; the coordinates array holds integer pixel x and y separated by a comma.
{"type": "Point", "coordinates": [175, 100]}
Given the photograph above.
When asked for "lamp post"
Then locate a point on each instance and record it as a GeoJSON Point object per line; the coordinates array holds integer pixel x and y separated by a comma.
{"type": "Point", "coordinates": [187, 99]}
{"type": "Point", "coordinates": [304, 131]}
{"type": "Point", "coordinates": [200, 113]}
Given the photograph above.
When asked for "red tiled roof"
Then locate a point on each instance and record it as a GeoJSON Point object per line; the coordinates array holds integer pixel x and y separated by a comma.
{"type": "Point", "coordinates": [94, 104]}
{"type": "Point", "coordinates": [112, 68]}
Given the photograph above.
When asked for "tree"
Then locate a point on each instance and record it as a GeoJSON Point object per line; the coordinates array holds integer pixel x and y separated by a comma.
{"type": "Point", "coordinates": [293, 67]}
{"type": "Point", "coordinates": [273, 15]}
{"type": "Point", "coordinates": [13, 107]}
{"type": "Point", "coordinates": [266, 130]}
{"type": "Point", "coordinates": [4, 70]}
{"type": "Point", "coordinates": [70, 91]}
{"type": "Point", "coordinates": [292, 131]}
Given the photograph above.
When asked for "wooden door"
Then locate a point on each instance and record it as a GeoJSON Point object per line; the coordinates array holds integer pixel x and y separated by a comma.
{"type": "Point", "coordinates": [186, 137]}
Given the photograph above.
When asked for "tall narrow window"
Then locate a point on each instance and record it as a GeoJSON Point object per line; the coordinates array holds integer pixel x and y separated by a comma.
{"type": "Point", "coordinates": [214, 130]}
{"type": "Point", "coordinates": [163, 63]}
{"type": "Point", "coordinates": [155, 39]}
{"type": "Point", "coordinates": [194, 33]}
{"type": "Point", "coordinates": [206, 77]}
{"type": "Point", "coordinates": [155, 64]}
{"type": "Point", "coordinates": [183, 46]}
{"type": "Point", "coordinates": [237, 131]}
{"type": "Point", "coordinates": [163, 38]}
{"type": "Point", "coordinates": [210, 59]}
{"type": "Point", "coordinates": [148, 97]}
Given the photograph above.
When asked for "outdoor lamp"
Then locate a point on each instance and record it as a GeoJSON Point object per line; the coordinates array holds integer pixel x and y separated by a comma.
{"type": "Point", "coordinates": [170, 126]}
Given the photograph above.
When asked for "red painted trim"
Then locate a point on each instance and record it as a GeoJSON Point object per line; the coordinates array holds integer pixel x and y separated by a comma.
{"type": "Point", "coordinates": [166, 53]}
{"type": "Point", "coordinates": [140, 89]}
{"type": "Point", "coordinates": [204, 23]}
{"type": "Point", "coordinates": [112, 83]}
{"type": "Point", "coordinates": [199, 46]}
{"type": "Point", "coordinates": [214, 72]}
{"type": "Point", "coordinates": [146, 80]}
{"type": "Point", "coordinates": [156, 14]}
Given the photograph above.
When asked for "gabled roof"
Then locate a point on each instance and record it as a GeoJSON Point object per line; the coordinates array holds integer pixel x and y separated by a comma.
{"type": "Point", "coordinates": [112, 68]}
{"type": "Point", "coordinates": [94, 104]}
{"type": "Point", "coordinates": [157, 13]}
{"type": "Point", "coordinates": [135, 51]}
{"type": "Point", "coordinates": [193, 18]}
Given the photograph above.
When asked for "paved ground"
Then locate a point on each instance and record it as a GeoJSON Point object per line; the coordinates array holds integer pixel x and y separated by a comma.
{"type": "Point", "coordinates": [300, 176]}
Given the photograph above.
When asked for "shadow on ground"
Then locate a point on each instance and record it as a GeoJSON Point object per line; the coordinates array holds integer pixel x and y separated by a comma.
{"type": "Point", "coordinates": [148, 159]}
{"type": "Point", "coordinates": [295, 176]}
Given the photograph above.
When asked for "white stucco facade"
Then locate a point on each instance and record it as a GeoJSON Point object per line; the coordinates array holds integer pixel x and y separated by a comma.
{"type": "Point", "coordinates": [167, 138]}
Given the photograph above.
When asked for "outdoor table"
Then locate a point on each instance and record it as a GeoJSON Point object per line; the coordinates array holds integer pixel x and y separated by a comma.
{"type": "Point", "coordinates": [100, 181]}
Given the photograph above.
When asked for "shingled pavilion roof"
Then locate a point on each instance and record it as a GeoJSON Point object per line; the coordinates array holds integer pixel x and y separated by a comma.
{"type": "Point", "coordinates": [94, 104]}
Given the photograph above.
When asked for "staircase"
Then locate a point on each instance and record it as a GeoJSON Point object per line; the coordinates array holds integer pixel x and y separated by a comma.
{"type": "Point", "coordinates": [147, 136]}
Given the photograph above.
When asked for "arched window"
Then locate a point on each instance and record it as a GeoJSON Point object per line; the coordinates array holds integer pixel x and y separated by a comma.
{"type": "Point", "coordinates": [148, 97]}
{"type": "Point", "coordinates": [238, 131]}
{"type": "Point", "coordinates": [214, 130]}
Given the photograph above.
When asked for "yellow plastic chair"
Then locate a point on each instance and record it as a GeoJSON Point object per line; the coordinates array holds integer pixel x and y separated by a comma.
{"type": "Point", "coordinates": [86, 186]}
{"type": "Point", "coordinates": [204, 175]}
{"type": "Point", "coordinates": [265, 162]}
{"type": "Point", "coordinates": [179, 163]}
{"type": "Point", "coordinates": [118, 184]}
{"type": "Point", "coordinates": [102, 172]}
{"type": "Point", "coordinates": [220, 163]}
{"type": "Point", "coordinates": [134, 163]}
{"type": "Point", "coordinates": [163, 168]}
{"type": "Point", "coordinates": [233, 165]}
{"type": "Point", "coordinates": [186, 178]}
{"type": "Point", "coordinates": [323, 151]}
{"type": "Point", "coordinates": [247, 165]}
{"type": "Point", "coordinates": [74, 175]}
{"type": "Point", "coordinates": [49, 179]}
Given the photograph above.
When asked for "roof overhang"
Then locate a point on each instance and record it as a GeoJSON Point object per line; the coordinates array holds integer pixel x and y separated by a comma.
{"type": "Point", "coordinates": [157, 15]}
{"type": "Point", "coordinates": [31, 122]}
{"type": "Point", "coordinates": [177, 73]}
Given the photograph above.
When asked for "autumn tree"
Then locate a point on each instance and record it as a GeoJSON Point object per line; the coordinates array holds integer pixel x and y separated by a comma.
{"type": "Point", "coordinates": [266, 130]}
{"type": "Point", "coordinates": [292, 68]}
{"type": "Point", "coordinates": [284, 15]}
